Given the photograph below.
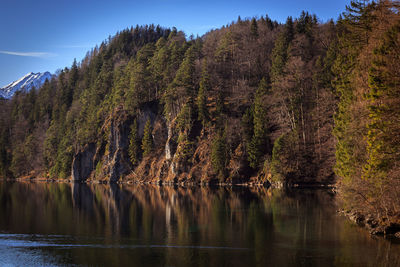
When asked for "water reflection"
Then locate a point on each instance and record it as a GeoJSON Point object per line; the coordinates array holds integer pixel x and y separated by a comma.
{"type": "Point", "coordinates": [176, 226]}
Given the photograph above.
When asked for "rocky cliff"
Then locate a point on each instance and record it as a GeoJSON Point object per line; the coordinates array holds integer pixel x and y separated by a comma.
{"type": "Point", "coordinates": [108, 160]}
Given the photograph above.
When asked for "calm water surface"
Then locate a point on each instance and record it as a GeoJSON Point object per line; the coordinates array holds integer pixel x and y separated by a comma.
{"type": "Point", "coordinates": [110, 225]}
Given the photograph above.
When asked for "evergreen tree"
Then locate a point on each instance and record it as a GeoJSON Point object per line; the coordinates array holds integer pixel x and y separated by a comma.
{"type": "Point", "coordinates": [304, 23]}
{"type": "Point", "coordinates": [219, 155]}
{"type": "Point", "coordinates": [254, 28]}
{"type": "Point", "coordinates": [182, 87]}
{"type": "Point", "coordinates": [280, 51]}
{"type": "Point", "coordinates": [384, 110]}
{"type": "Point", "coordinates": [158, 65]}
{"type": "Point", "coordinates": [134, 144]}
{"type": "Point", "coordinates": [358, 19]}
{"type": "Point", "coordinates": [270, 24]}
{"type": "Point", "coordinates": [202, 95]}
{"type": "Point", "coordinates": [140, 84]}
{"type": "Point", "coordinates": [258, 144]}
{"type": "Point", "coordinates": [73, 78]}
{"type": "Point", "coordinates": [285, 157]}
{"type": "Point", "coordinates": [185, 75]}
{"type": "Point", "coordinates": [147, 141]}
{"type": "Point", "coordinates": [350, 153]}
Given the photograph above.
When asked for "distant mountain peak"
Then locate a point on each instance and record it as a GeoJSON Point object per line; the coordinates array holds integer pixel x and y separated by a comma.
{"type": "Point", "coordinates": [27, 82]}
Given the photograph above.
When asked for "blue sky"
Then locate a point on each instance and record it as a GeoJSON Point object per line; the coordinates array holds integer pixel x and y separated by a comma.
{"type": "Point", "coordinates": [45, 35]}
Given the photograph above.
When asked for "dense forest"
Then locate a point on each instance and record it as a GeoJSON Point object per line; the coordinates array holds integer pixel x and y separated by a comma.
{"type": "Point", "coordinates": [256, 101]}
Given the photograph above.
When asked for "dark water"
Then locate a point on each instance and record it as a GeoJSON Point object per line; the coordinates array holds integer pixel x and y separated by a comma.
{"type": "Point", "coordinates": [110, 225]}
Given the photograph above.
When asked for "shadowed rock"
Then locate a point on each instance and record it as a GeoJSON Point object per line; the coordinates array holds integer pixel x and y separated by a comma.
{"type": "Point", "coordinates": [82, 164]}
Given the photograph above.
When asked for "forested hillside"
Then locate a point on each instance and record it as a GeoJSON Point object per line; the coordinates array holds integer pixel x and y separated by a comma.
{"type": "Point", "coordinates": [367, 122]}
{"type": "Point", "coordinates": [256, 100]}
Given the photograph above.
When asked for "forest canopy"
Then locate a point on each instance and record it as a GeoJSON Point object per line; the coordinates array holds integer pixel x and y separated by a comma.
{"type": "Point", "coordinates": [300, 102]}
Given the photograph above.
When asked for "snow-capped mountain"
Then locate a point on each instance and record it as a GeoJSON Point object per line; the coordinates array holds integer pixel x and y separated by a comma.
{"type": "Point", "coordinates": [26, 83]}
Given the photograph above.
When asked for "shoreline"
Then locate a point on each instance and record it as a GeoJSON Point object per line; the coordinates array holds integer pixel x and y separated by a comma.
{"type": "Point", "coordinates": [185, 183]}
{"type": "Point", "coordinates": [373, 225]}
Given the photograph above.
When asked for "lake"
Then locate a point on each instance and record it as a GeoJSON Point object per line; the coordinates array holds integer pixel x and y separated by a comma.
{"type": "Point", "coordinates": [61, 224]}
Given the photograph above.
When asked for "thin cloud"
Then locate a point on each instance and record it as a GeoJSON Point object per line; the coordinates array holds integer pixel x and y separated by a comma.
{"type": "Point", "coordinates": [28, 54]}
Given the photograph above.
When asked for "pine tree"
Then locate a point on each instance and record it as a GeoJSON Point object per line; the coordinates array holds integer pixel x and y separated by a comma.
{"type": "Point", "coordinates": [202, 96]}
{"type": "Point", "coordinates": [355, 29]}
{"type": "Point", "coordinates": [134, 144]}
{"type": "Point", "coordinates": [158, 65]}
{"type": "Point", "coordinates": [72, 82]}
{"type": "Point", "coordinates": [270, 24]}
{"type": "Point", "coordinates": [219, 155]}
{"type": "Point", "coordinates": [304, 23]}
{"type": "Point", "coordinates": [258, 145]}
{"type": "Point", "coordinates": [184, 77]}
{"type": "Point", "coordinates": [254, 28]}
{"type": "Point", "coordinates": [147, 141]}
{"type": "Point", "coordinates": [285, 157]}
{"type": "Point", "coordinates": [384, 111]}
{"type": "Point", "coordinates": [140, 79]}
{"type": "Point", "coordinates": [280, 51]}
{"type": "Point", "coordinates": [182, 87]}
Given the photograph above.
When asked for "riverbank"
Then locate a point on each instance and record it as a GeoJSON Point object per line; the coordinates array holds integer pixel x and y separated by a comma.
{"type": "Point", "coordinates": [180, 183]}
{"type": "Point", "coordinates": [374, 225]}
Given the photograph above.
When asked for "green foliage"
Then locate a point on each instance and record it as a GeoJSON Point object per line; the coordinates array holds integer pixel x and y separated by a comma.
{"type": "Point", "coordinates": [219, 155]}
{"type": "Point", "coordinates": [98, 170]}
{"type": "Point", "coordinates": [158, 65]}
{"type": "Point", "coordinates": [205, 87]}
{"type": "Point", "coordinates": [345, 164]}
{"type": "Point", "coordinates": [134, 149]}
{"type": "Point", "coordinates": [140, 79]}
{"type": "Point", "coordinates": [259, 142]}
{"type": "Point", "coordinates": [350, 151]}
{"type": "Point", "coordinates": [185, 149]}
{"type": "Point", "coordinates": [147, 140]}
{"type": "Point", "coordinates": [285, 160]}
{"type": "Point", "coordinates": [383, 111]}
{"type": "Point", "coordinates": [254, 28]}
{"type": "Point", "coordinates": [51, 124]}
{"type": "Point", "coordinates": [305, 23]}
{"type": "Point", "coordinates": [186, 117]}
{"type": "Point", "coordinates": [182, 87]}
{"type": "Point", "coordinates": [149, 66]}
{"type": "Point", "coordinates": [121, 84]}
{"type": "Point", "coordinates": [280, 51]}
{"type": "Point", "coordinates": [227, 46]}
{"type": "Point", "coordinates": [185, 122]}
{"type": "Point", "coordinates": [269, 22]}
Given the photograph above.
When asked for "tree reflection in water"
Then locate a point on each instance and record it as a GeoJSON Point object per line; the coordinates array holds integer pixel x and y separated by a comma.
{"type": "Point", "coordinates": [148, 225]}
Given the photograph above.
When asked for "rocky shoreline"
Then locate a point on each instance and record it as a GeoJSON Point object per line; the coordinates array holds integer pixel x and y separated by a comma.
{"type": "Point", "coordinates": [130, 182]}
{"type": "Point", "coordinates": [251, 182]}
{"type": "Point", "coordinates": [372, 224]}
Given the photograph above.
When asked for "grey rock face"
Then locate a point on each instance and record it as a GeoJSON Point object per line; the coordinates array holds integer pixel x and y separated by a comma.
{"type": "Point", "coordinates": [118, 158]}
{"type": "Point", "coordinates": [170, 145]}
{"type": "Point", "coordinates": [82, 164]}
{"type": "Point", "coordinates": [109, 158]}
